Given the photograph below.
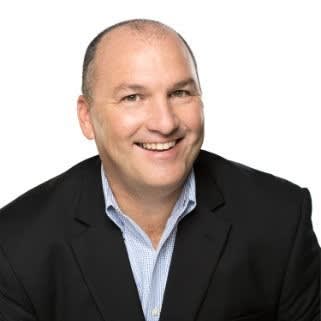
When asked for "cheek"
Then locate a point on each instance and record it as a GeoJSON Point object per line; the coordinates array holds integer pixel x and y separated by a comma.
{"type": "Point", "coordinates": [194, 120]}
{"type": "Point", "coordinates": [121, 124]}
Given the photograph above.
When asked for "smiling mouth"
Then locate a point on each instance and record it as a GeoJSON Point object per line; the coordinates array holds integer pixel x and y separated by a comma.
{"type": "Point", "coordinates": [159, 147]}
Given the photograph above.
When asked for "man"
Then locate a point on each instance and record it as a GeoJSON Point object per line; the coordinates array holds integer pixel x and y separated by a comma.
{"type": "Point", "coordinates": [154, 229]}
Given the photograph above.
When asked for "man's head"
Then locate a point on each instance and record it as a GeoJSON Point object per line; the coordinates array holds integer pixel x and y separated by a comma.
{"type": "Point", "coordinates": [152, 27]}
{"type": "Point", "coordinates": [142, 104]}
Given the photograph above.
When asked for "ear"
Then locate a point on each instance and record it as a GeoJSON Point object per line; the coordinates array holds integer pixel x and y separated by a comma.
{"type": "Point", "coordinates": [83, 111]}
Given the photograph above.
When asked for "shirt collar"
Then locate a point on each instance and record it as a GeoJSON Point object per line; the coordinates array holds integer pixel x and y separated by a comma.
{"type": "Point", "coordinates": [184, 205]}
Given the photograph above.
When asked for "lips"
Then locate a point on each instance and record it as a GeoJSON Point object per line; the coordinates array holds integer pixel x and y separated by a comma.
{"type": "Point", "coordinates": [159, 147]}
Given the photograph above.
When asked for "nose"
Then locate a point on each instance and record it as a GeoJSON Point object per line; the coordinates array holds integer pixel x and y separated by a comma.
{"type": "Point", "coordinates": [162, 117]}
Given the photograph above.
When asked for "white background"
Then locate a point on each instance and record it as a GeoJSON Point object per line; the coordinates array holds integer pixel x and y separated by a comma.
{"type": "Point", "coordinates": [260, 70]}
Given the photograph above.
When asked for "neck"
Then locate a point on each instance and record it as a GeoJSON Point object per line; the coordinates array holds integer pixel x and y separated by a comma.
{"type": "Point", "coordinates": [149, 208]}
{"type": "Point", "coordinates": [148, 203]}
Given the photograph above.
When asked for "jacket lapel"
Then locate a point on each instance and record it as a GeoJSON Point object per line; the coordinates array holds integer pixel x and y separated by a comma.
{"type": "Point", "coordinates": [200, 241]}
{"type": "Point", "coordinates": [102, 256]}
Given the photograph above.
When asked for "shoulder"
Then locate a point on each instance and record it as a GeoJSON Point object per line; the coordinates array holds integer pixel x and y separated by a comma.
{"type": "Point", "coordinates": [233, 175]}
{"type": "Point", "coordinates": [252, 189]}
{"type": "Point", "coordinates": [46, 202]}
{"type": "Point", "coordinates": [265, 210]}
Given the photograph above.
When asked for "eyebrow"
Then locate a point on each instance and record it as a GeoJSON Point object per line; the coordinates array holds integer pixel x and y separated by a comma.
{"type": "Point", "coordinates": [126, 86]}
{"type": "Point", "coordinates": [184, 83]}
{"type": "Point", "coordinates": [179, 84]}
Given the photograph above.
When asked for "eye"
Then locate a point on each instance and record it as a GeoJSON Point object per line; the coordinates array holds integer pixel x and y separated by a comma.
{"type": "Point", "coordinates": [133, 97]}
{"type": "Point", "coordinates": [180, 93]}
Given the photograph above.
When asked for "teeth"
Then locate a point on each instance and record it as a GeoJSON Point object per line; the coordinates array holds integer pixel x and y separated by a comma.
{"type": "Point", "coordinates": [158, 146]}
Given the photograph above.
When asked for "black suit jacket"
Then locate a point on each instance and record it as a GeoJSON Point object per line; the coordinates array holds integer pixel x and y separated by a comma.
{"type": "Point", "coordinates": [247, 252]}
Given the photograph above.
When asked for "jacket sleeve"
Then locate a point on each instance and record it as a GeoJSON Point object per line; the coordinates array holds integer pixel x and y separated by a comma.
{"type": "Point", "coordinates": [300, 294]}
{"type": "Point", "coordinates": [14, 302]}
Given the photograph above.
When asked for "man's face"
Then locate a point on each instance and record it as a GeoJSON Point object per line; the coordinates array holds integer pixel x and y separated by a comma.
{"type": "Point", "coordinates": [146, 116]}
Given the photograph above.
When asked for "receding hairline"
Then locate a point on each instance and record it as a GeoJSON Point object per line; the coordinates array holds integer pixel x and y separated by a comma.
{"type": "Point", "coordinates": [145, 29]}
{"type": "Point", "coordinates": [146, 32]}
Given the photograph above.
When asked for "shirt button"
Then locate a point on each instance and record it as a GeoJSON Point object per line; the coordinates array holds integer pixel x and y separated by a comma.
{"type": "Point", "coordinates": [155, 312]}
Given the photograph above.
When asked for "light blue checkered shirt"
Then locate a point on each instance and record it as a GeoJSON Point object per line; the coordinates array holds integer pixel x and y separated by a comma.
{"type": "Point", "coordinates": [150, 266]}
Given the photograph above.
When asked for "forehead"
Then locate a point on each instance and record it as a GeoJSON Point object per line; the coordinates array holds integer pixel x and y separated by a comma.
{"type": "Point", "coordinates": [126, 48]}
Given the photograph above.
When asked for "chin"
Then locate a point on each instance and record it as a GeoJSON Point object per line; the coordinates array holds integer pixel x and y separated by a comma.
{"type": "Point", "coordinates": [170, 179]}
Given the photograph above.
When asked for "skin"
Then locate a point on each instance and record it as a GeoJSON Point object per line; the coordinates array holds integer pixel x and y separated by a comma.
{"type": "Point", "coordinates": [148, 96]}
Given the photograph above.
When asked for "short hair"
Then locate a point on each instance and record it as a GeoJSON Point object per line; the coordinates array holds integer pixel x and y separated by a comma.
{"type": "Point", "coordinates": [138, 25]}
